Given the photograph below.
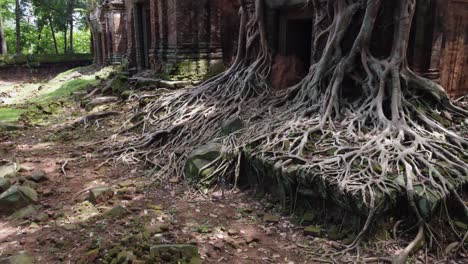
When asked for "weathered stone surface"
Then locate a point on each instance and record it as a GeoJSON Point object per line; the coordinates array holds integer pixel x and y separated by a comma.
{"type": "Point", "coordinates": [100, 194]}
{"type": "Point", "coordinates": [174, 84]}
{"type": "Point", "coordinates": [125, 257]}
{"type": "Point", "coordinates": [116, 212]}
{"type": "Point", "coordinates": [126, 183]}
{"type": "Point", "coordinates": [126, 94]}
{"type": "Point", "coordinates": [232, 232]}
{"type": "Point", "coordinates": [38, 176]}
{"type": "Point", "coordinates": [312, 231]}
{"type": "Point", "coordinates": [24, 213]}
{"type": "Point", "coordinates": [231, 125]}
{"type": "Point", "coordinates": [174, 180]}
{"type": "Point", "coordinates": [199, 158]}
{"type": "Point", "coordinates": [41, 217]}
{"type": "Point", "coordinates": [4, 184]}
{"type": "Point", "coordinates": [8, 171]}
{"type": "Point", "coordinates": [308, 217]}
{"type": "Point", "coordinates": [69, 227]}
{"type": "Point", "coordinates": [269, 218]}
{"type": "Point", "coordinates": [22, 258]}
{"type": "Point", "coordinates": [17, 197]}
{"type": "Point", "coordinates": [175, 252]}
{"type": "Point", "coordinates": [29, 184]}
{"type": "Point", "coordinates": [9, 127]}
{"type": "Point", "coordinates": [101, 101]}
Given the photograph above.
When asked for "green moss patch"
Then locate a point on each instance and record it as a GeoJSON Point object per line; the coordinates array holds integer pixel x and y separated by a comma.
{"type": "Point", "coordinates": [66, 90]}
{"type": "Point", "coordinates": [10, 114]}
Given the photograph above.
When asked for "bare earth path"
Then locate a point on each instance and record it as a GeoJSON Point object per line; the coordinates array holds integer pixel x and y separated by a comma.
{"type": "Point", "coordinates": [65, 228]}
{"type": "Point", "coordinates": [134, 214]}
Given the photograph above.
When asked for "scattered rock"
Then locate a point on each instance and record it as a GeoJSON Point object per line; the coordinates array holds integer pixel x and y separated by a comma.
{"type": "Point", "coordinates": [248, 210]}
{"type": "Point", "coordinates": [41, 217]}
{"type": "Point", "coordinates": [126, 94]}
{"type": "Point", "coordinates": [34, 226]}
{"type": "Point", "coordinates": [24, 168]}
{"type": "Point", "coordinates": [69, 227]}
{"type": "Point", "coordinates": [29, 184]}
{"type": "Point", "coordinates": [308, 218]}
{"type": "Point", "coordinates": [165, 227]}
{"type": "Point", "coordinates": [231, 242]}
{"type": "Point", "coordinates": [126, 184]}
{"type": "Point", "coordinates": [312, 230]}
{"type": "Point", "coordinates": [100, 101]}
{"type": "Point", "coordinates": [22, 258]}
{"type": "Point", "coordinates": [232, 232]}
{"type": "Point", "coordinates": [451, 247]}
{"type": "Point", "coordinates": [9, 127]}
{"type": "Point", "coordinates": [269, 218]}
{"type": "Point", "coordinates": [463, 226]}
{"type": "Point", "coordinates": [116, 212]}
{"type": "Point", "coordinates": [199, 158]}
{"type": "Point", "coordinates": [251, 239]}
{"type": "Point", "coordinates": [174, 180]}
{"type": "Point", "coordinates": [24, 213]}
{"type": "Point", "coordinates": [176, 252]}
{"type": "Point", "coordinates": [77, 96]}
{"type": "Point", "coordinates": [125, 257]}
{"type": "Point", "coordinates": [156, 207]}
{"type": "Point", "coordinates": [4, 184]}
{"type": "Point", "coordinates": [231, 125]}
{"type": "Point", "coordinates": [17, 197]}
{"type": "Point", "coordinates": [100, 194]}
{"type": "Point", "coordinates": [174, 84]}
{"type": "Point", "coordinates": [38, 176]}
{"type": "Point", "coordinates": [219, 245]}
{"type": "Point", "coordinates": [9, 171]}
{"type": "Point", "coordinates": [47, 192]}
{"type": "Point", "coordinates": [334, 233]}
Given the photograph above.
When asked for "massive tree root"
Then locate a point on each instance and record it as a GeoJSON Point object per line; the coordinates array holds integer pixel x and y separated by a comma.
{"type": "Point", "coordinates": [179, 121]}
{"type": "Point", "coordinates": [361, 119]}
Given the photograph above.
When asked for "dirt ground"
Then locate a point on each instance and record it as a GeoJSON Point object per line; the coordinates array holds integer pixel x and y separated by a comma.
{"type": "Point", "coordinates": [64, 227]}
{"type": "Point", "coordinates": [229, 230]}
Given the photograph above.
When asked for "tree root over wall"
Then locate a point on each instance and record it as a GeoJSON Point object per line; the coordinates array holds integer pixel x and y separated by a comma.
{"type": "Point", "coordinates": [366, 123]}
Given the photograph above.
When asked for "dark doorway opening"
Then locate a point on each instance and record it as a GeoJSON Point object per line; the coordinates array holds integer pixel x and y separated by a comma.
{"type": "Point", "coordinates": [299, 40]}
{"type": "Point", "coordinates": [143, 35]}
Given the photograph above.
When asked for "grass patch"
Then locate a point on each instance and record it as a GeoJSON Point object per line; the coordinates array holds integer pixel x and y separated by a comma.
{"type": "Point", "coordinates": [65, 90]}
{"type": "Point", "coordinates": [10, 114]}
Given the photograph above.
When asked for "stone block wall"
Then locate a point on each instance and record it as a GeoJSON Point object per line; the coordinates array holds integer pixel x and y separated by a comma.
{"type": "Point", "coordinates": [454, 56]}
{"type": "Point", "coordinates": [108, 32]}
{"type": "Point", "coordinates": [187, 37]}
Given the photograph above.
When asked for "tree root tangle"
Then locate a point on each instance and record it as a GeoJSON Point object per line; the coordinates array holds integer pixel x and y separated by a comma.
{"type": "Point", "coordinates": [364, 123]}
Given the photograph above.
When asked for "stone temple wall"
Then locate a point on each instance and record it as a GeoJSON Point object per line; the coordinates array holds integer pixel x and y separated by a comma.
{"type": "Point", "coordinates": [187, 38]}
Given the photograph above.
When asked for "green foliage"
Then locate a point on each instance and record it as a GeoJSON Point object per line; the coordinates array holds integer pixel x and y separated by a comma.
{"type": "Point", "coordinates": [10, 114]}
{"type": "Point", "coordinates": [66, 90]}
{"type": "Point", "coordinates": [38, 59]}
{"type": "Point", "coordinates": [38, 19]}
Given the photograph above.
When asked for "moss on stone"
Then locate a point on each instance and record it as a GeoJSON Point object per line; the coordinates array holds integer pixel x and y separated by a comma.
{"type": "Point", "coordinates": [193, 70]}
{"type": "Point", "coordinates": [10, 114]}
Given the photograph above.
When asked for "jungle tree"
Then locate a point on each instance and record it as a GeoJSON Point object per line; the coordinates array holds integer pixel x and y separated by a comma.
{"type": "Point", "coordinates": [360, 117]}
{"type": "Point", "coordinates": [3, 45]}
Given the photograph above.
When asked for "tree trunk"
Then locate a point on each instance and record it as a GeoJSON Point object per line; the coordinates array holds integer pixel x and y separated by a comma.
{"type": "Point", "coordinates": [361, 120]}
{"type": "Point", "coordinates": [71, 8]}
{"type": "Point", "coordinates": [18, 26]}
{"type": "Point", "coordinates": [71, 36]}
{"type": "Point", "coordinates": [65, 40]}
{"type": "Point", "coordinates": [51, 25]}
{"type": "Point", "coordinates": [3, 44]}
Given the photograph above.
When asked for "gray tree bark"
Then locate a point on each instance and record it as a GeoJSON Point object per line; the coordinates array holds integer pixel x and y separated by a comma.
{"type": "Point", "coordinates": [3, 44]}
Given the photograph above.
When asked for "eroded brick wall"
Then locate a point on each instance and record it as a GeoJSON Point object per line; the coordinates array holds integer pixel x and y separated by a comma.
{"type": "Point", "coordinates": [454, 61]}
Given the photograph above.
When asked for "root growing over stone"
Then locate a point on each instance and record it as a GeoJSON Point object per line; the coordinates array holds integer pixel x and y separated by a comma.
{"type": "Point", "coordinates": [362, 122]}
